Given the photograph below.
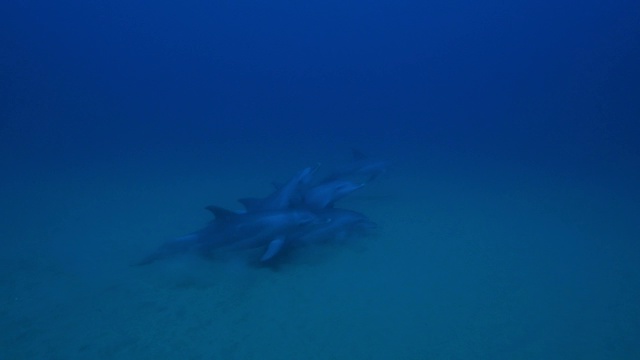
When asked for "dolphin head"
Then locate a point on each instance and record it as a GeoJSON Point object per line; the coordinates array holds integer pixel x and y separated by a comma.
{"type": "Point", "coordinates": [306, 175]}
{"type": "Point", "coordinates": [345, 187]}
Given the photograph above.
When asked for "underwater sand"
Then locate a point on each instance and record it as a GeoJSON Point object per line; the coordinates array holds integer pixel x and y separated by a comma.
{"type": "Point", "coordinates": [469, 262]}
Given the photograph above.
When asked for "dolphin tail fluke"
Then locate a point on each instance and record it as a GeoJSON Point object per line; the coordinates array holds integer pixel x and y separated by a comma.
{"type": "Point", "coordinates": [171, 248]}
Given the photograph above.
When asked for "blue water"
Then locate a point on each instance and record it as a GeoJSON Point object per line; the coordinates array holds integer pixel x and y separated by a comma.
{"type": "Point", "coordinates": [508, 222]}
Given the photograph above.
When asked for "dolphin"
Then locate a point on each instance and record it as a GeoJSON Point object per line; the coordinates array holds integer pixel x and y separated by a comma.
{"type": "Point", "coordinates": [233, 232]}
{"type": "Point", "coordinates": [297, 213]}
{"type": "Point", "coordinates": [282, 197]}
{"type": "Point", "coordinates": [260, 229]}
{"type": "Point", "coordinates": [171, 248]}
{"type": "Point", "coordinates": [331, 224]}
{"type": "Point", "coordinates": [327, 193]}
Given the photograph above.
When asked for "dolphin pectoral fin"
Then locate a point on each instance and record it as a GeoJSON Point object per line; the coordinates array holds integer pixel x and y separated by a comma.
{"type": "Point", "coordinates": [273, 248]}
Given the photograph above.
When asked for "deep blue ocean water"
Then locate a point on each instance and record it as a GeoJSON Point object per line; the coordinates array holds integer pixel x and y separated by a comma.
{"type": "Point", "coordinates": [508, 220]}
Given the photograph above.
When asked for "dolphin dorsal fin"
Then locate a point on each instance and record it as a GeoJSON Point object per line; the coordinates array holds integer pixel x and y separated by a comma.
{"type": "Point", "coordinates": [221, 213]}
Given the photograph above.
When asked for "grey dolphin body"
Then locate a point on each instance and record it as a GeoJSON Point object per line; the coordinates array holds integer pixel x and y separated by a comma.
{"type": "Point", "coordinates": [281, 198]}
{"type": "Point", "coordinates": [177, 246]}
{"type": "Point", "coordinates": [327, 193]}
{"type": "Point", "coordinates": [331, 224]}
{"type": "Point", "coordinates": [234, 232]}
{"type": "Point", "coordinates": [258, 229]}
{"type": "Point", "coordinates": [298, 213]}
{"type": "Point", "coordinates": [212, 233]}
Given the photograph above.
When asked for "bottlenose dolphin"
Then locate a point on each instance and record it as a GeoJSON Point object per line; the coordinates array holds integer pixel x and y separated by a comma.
{"type": "Point", "coordinates": [281, 198]}
{"type": "Point", "coordinates": [332, 224]}
{"type": "Point", "coordinates": [298, 213]}
{"type": "Point", "coordinates": [257, 229]}
{"type": "Point", "coordinates": [327, 193]}
{"type": "Point", "coordinates": [233, 232]}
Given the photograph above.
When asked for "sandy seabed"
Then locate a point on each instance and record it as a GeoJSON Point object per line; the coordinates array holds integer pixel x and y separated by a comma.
{"type": "Point", "coordinates": [508, 264]}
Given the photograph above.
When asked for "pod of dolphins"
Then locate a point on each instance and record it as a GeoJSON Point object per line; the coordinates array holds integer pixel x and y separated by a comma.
{"type": "Point", "coordinates": [297, 214]}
